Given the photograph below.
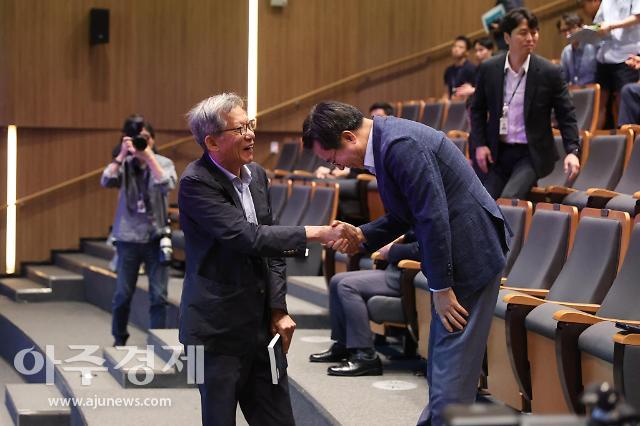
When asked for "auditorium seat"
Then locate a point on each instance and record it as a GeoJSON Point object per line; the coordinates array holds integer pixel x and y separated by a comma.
{"type": "Point", "coordinates": [432, 113]}
{"type": "Point", "coordinates": [557, 176]}
{"type": "Point", "coordinates": [461, 140]}
{"type": "Point", "coordinates": [287, 159]}
{"type": "Point", "coordinates": [374, 202]}
{"type": "Point", "coordinates": [586, 100]}
{"type": "Point", "coordinates": [628, 183]}
{"type": "Point", "coordinates": [321, 210]}
{"type": "Point", "coordinates": [585, 344]}
{"type": "Point", "coordinates": [306, 163]}
{"type": "Point", "coordinates": [582, 283]}
{"type": "Point", "coordinates": [602, 162]}
{"type": "Point", "coordinates": [297, 203]}
{"type": "Point", "coordinates": [279, 191]}
{"type": "Point", "coordinates": [389, 312]}
{"type": "Point", "coordinates": [518, 214]}
{"type": "Point", "coordinates": [541, 258]}
{"type": "Point", "coordinates": [456, 117]}
{"type": "Point", "coordinates": [411, 110]}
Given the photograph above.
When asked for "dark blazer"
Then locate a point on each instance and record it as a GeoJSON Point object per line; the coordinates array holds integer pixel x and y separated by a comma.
{"type": "Point", "coordinates": [427, 185]}
{"type": "Point", "coordinates": [545, 91]}
{"type": "Point", "coordinates": [235, 271]}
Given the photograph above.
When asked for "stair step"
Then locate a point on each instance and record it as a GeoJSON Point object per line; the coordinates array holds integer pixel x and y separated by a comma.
{"type": "Point", "coordinates": [25, 290]}
{"type": "Point", "coordinates": [65, 284]}
{"type": "Point", "coordinates": [132, 374]}
{"type": "Point", "coordinates": [311, 289]}
{"type": "Point", "coordinates": [32, 405]}
{"type": "Point", "coordinates": [77, 262]}
{"type": "Point", "coordinates": [98, 248]}
{"type": "Point", "coordinates": [163, 340]}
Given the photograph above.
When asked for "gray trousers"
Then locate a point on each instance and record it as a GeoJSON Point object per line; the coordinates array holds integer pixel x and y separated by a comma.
{"type": "Point", "coordinates": [348, 295]}
{"type": "Point", "coordinates": [455, 359]}
{"type": "Point", "coordinates": [513, 175]}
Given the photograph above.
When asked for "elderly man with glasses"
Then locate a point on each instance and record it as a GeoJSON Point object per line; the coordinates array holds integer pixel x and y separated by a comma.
{"type": "Point", "coordinates": [233, 300]}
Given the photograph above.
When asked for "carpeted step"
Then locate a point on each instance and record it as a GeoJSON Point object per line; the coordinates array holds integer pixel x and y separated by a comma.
{"type": "Point", "coordinates": [25, 290]}
{"type": "Point", "coordinates": [311, 289]}
{"type": "Point", "coordinates": [98, 248]}
{"type": "Point", "coordinates": [139, 367]}
{"type": "Point", "coordinates": [78, 262]}
{"type": "Point", "coordinates": [65, 284]}
{"type": "Point", "coordinates": [36, 405]}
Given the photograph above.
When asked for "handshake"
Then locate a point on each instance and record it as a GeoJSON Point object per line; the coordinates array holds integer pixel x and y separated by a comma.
{"type": "Point", "coordinates": [339, 236]}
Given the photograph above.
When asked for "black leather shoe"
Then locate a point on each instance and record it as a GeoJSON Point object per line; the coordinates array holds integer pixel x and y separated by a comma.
{"type": "Point", "coordinates": [357, 365]}
{"type": "Point", "coordinates": [335, 353]}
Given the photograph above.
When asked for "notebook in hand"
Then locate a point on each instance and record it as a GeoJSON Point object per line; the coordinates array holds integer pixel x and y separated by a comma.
{"type": "Point", "coordinates": [277, 359]}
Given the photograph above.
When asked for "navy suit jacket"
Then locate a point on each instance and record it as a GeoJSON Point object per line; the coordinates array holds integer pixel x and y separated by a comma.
{"type": "Point", "coordinates": [427, 185]}
{"type": "Point", "coordinates": [545, 91]}
{"type": "Point", "coordinates": [235, 271]}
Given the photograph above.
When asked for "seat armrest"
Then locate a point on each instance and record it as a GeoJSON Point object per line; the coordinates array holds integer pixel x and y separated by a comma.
{"type": "Point", "coordinates": [376, 256]}
{"type": "Point", "coordinates": [409, 264]}
{"type": "Point", "coordinates": [522, 299]}
{"type": "Point", "coordinates": [281, 172]}
{"type": "Point", "coordinates": [303, 173]}
{"type": "Point", "coordinates": [602, 193]}
{"type": "Point", "coordinates": [535, 292]}
{"type": "Point", "coordinates": [576, 317]}
{"type": "Point", "coordinates": [365, 177]}
{"type": "Point", "coordinates": [539, 190]}
{"type": "Point", "coordinates": [586, 307]}
{"type": "Point", "coordinates": [627, 339]}
{"type": "Point", "coordinates": [562, 190]}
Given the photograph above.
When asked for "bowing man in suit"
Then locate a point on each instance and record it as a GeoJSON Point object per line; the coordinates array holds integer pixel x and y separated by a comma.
{"type": "Point", "coordinates": [511, 113]}
{"type": "Point", "coordinates": [426, 185]}
{"type": "Point", "coordinates": [233, 299]}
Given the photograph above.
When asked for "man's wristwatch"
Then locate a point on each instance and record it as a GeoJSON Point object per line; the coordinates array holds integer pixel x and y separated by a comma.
{"type": "Point", "coordinates": [576, 152]}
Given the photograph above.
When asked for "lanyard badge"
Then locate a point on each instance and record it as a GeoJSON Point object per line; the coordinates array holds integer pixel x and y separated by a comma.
{"type": "Point", "coordinates": [504, 120]}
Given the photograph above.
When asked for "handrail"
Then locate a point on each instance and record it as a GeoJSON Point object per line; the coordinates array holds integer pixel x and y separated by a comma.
{"type": "Point", "coordinates": [441, 49]}
{"type": "Point", "coordinates": [88, 175]}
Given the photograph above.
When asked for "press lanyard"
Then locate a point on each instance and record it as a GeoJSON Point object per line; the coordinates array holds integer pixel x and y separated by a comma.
{"type": "Point", "coordinates": [515, 90]}
{"type": "Point", "coordinates": [504, 123]}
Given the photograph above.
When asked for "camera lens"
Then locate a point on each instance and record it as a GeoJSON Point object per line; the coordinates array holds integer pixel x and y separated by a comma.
{"type": "Point", "coordinates": [140, 143]}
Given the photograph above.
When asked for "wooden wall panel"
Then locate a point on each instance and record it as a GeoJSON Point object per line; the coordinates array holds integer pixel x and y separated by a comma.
{"type": "Point", "coordinates": [163, 56]}
{"type": "Point", "coordinates": [58, 220]}
{"type": "Point", "coordinates": [313, 43]}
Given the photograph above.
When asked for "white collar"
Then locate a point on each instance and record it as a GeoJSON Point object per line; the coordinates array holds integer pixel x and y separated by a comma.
{"type": "Point", "coordinates": [525, 65]}
{"type": "Point", "coordinates": [369, 162]}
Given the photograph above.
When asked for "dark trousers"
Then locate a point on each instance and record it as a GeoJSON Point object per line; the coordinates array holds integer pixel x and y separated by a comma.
{"type": "Point", "coordinates": [348, 295]}
{"type": "Point", "coordinates": [130, 256]}
{"type": "Point", "coordinates": [513, 175]}
{"type": "Point", "coordinates": [229, 380]}
{"type": "Point", "coordinates": [455, 359]}
{"type": "Point", "coordinates": [629, 105]}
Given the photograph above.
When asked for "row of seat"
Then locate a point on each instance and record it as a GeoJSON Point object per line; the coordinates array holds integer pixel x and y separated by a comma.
{"type": "Point", "coordinates": [609, 175]}
{"type": "Point", "coordinates": [568, 279]}
{"type": "Point", "coordinates": [304, 202]}
{"type": "Point", "coordinates": [452, 115]}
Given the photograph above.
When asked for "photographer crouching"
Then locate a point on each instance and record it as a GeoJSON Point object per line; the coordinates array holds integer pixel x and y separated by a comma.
{"type": "Point", "coordinates": [140, 227]}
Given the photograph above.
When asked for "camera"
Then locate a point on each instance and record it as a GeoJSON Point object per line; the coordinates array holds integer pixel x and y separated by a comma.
{"type": "Point", "coordinates": [133, 129]}
{"type": "Point", "coordinates": [166, 248]}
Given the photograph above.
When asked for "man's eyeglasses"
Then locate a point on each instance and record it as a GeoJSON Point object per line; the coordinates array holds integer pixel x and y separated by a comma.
{"type": "Point", "coordinates": [244, 128]}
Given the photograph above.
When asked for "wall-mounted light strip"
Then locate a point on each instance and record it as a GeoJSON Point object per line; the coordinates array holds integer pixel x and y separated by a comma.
{"type": "Point", "coordinates": [252, 63]}
{"type": "Point", "coordinates": [12, 161]}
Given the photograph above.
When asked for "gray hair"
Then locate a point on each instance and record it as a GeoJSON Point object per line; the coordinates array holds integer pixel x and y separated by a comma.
{"type": "Point", "coordinates": [206, 118]}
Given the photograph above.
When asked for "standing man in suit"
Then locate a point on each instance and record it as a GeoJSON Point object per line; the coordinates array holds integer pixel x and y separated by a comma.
{"type": "Point", "coordinates": [426, 185]}
{"type": "Point", "coordinates": [511, 113]}
{"type": "Point", "coordinates": [233, 299]}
